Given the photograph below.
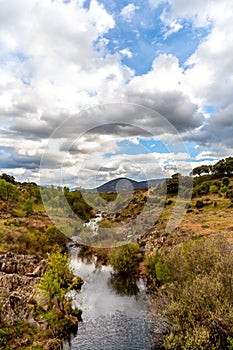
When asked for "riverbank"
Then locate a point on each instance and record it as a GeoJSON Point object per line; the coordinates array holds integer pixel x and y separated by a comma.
{"type": "Point", "coordinates": [116, 311]}
{"type": "Point", "coordinates": [35, 312]}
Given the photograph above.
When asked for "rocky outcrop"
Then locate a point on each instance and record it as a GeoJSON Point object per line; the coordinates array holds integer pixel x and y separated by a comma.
{"type": "Point", "coordinates": [19, 275]}
{"type": "Point", "coordinates": [29, 265]}
{"type": "Point", "coordinates": [16, 293]}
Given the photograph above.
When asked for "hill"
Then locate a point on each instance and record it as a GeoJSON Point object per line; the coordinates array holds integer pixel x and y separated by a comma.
{"type": "Point", "coordinates": [122, 184]}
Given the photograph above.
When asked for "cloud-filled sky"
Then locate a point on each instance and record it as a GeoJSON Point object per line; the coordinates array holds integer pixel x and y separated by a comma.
{"type": "Point", "coordinates": [100, 89]}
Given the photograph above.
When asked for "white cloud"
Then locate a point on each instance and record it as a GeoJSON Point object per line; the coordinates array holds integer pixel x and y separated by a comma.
{"type": "Point", "coordinates": [207, 154]}
{"type": "Point", "coordinates": [55, 63]}
{"type": "Point", "coordinates": [128, 11]}
{"type": "Point", "coordinates": [174, 27]}
{"type": "Point", "coordinates": [197, 11]}
{"type": "Point", "coordinates": [126, 52]}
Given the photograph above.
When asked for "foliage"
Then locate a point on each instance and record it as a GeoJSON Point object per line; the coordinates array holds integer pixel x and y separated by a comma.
{"type": "Point", "coordinates": [202, 189]}
{"type": "Point", "coordinates": [109, 197]}
{"type": "Point", "coordinates": [28, 207]}
{"type": "Point", "coordinates": [223, 167]}
{"type": "Point", "coordinates": [225, 181]}
{"type": "Point", "coordinates": [203, 169]}
{"type": "Point", "coordinates": [214, 189]}
{"type": "Point", "coordinates": [8, 178]}
{"type": "Point", "coordinates": [197, 291]}
{"type": "Point", "coordinates": [79, 206]}
{"type": "Point", "coordinates": [229, 194]}
{"type": "Point", "coordinates": [173, 185]}
{"type": "Point", "coordinates": [8, 191]}
{"type": "Point", "coordinates": [56, 282]}
{"type": "Point", "coordinates": [125, 259]}
{"type": "Point", "coordinates": [199, 204]}
{"type": "Point", "coordinates": [219, 169]}
{"type": "Point", "coordinates": [157, 269]}
{"type": "Point", "coordinates": [9, 334]}
{"type": "Point", "coordinates": [39, 243]}
{"type": "Point", "coordinates": [53, 237]}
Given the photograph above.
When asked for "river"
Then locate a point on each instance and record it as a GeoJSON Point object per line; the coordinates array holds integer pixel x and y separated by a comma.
{"type": "Point", "coordinates": [112, 320]}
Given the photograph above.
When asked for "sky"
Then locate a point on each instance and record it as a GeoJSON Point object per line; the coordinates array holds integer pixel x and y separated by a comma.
{"type": "Point", "coordinates": [94, 90]}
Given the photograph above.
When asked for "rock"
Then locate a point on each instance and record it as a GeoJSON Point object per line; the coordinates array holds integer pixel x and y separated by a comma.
{"type": "Point", "coordinates": [19, 275]}
{"type": "Point", "coordinates": [19, 263]}
{"type": "Point", "coordinates": [15, 294]}
{"type": "Point", "coordinates": [14, 300]}
{"type": "Point", "coordinates": [38, 270]}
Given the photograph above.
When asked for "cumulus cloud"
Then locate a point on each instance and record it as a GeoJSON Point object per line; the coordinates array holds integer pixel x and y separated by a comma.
{"type": "Point", "coordinates": [128, 11]}
{"type": "Point", "coordinates": [222, 122]}
{"type": "Point", "coordinates": [160, 90]}
{"type": "Point", "coordinates": [58, 79]}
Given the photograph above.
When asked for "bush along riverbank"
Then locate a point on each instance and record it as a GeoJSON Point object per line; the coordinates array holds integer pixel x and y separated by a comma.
{"type": "Point", "coordinates": [191, 285]}
{"type": "Point", "coordinates": [35, 311]}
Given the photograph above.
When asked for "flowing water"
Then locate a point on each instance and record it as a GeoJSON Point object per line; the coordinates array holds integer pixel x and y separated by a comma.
{"type": "Point", "coordinates": [112, 320]}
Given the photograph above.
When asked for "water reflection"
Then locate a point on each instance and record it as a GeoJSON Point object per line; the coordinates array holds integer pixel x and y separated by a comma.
{"type": "Point", "coordinates": [115, 313]}
{"type": "Point", "coordinates": [123, 286]}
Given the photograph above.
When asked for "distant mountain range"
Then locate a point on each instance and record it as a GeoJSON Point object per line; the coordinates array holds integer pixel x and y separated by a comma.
{"type": "Point", "coordinates": [124, 184]}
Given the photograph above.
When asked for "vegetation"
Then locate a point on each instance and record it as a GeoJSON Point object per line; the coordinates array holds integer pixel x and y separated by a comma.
{"type": "Point", "coordinates": [52, 309]}
{"type": "Point", "coordinates": [193, 285]}
{"type": "Point", "coordinates": [55, 283]}
{"type": "Point", "coordinates": [32, 241]}
{"type": "Point", "coordinates": [125, 259]}
{"type": "Point", "coordinates": [191, 279]}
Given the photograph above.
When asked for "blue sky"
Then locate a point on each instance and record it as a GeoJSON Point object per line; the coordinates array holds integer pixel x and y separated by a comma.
{"type": "Point", "coordinates": [145, 32]}
{"type": "Point", "coordinates": [162, 66]}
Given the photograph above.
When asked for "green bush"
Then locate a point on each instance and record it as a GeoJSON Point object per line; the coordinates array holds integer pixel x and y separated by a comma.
{"type": "Point", "coordinates": [223, 189]}
{"type": "Point", "coordinates": [28, 207]}
{"type": "Point", "coordinates": [225, 181]}
{"type": "Point", "coordinates": [158, 270]}
{"type": "Point", "coordinates": [56, 282]}
{"type": "Point", "coordinates": [198, 295]}
{"type": "Point", "coordinates": [214, 189]}
{"type": "Point", "coordinates": [125, 259]}
{"type": "Point", "coordinates": [199, 204]}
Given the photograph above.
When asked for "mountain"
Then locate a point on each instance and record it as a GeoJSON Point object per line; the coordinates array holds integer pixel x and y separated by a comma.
{"type": "Point", "coordinates": [124, 184]}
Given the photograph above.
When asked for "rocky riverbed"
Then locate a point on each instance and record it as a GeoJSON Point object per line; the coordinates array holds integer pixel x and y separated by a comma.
{"type": "Point", "coordinates": [19, 275]}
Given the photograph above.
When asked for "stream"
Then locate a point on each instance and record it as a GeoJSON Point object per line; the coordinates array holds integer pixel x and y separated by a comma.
{"type": "Point", "coordinates": [112, 320]}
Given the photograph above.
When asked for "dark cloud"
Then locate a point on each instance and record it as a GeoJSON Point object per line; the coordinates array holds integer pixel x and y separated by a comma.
{"type": "Point", "coordinates": [174, 106]}
{"type": "Point", "coordinates": [31, 128]}
{"type": "Point", "coordinates": [10, 159]}
{"type": "Point", "coordinates": [219, 129]}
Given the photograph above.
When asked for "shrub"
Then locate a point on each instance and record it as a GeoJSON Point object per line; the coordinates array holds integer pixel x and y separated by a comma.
{"type": "Point", "coordinates": [199, 301]}
{"type": "Point", "coordinates": [125, 259]}
{"type": "Point", "coordinates": [28, 207]}
{"type": "Point", "coordinates": [223, 189]}
{"type": "Point", "coordinates": [199, 204]}
{"type": "Point", "coordinates": [217, 183]}
{"type": "Point", "coordinates": [214, 189]}
{"type": "Point", "coordinates": [55, 283]}
{"type": "Point", "coordinates": [225, 181]}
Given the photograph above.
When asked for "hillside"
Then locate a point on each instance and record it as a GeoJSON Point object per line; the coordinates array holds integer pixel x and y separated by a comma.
{"type": "Point", "coordinates": [125, 184]}
{"type": "Point", "coordinates": [27, 234]}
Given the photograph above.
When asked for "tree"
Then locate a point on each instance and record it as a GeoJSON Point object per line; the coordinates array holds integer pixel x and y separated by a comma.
{"type": "Point", "coordinates": [8, 178]}
{"type": "Point", "coordinates": [223, 167]}
{"type": "Point", "coordinates": [56, 282]}
{"type": "Point", "coordinates": [8, 192]}
{"type": "Point", "coordinates": [203, 169]}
